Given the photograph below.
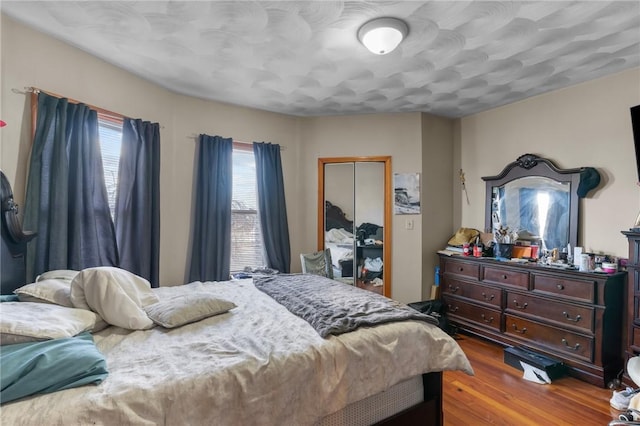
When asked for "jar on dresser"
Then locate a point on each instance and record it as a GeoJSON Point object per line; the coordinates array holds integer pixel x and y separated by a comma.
{"type": "Point", "coordinates": [573, 316]}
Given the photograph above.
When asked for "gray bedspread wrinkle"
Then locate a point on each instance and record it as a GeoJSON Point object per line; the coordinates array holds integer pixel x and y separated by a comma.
{"type": "Point", "coordinates": [333, 308]}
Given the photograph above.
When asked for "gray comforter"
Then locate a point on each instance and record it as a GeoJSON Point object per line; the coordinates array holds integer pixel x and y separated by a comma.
{"type": "Point", "coordinates": [333, 308]}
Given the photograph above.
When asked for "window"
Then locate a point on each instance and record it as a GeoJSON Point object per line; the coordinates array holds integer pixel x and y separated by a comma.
{"type": "Point", "coordinates": [246, 236]}
{"type": "Point", "coordinates": [110, 134]}
{"type": "Point", "coordinates": [247, 248]}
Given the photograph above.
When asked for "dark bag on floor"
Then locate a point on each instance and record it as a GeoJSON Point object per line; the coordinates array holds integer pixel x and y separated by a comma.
{"type": "Point", "coordinates": [437, 309]}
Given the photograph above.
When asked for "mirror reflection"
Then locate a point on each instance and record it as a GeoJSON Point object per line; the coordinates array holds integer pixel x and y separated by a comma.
{"type": "Point", "coordinates": [369, 219]}
{"type": "Point", "coordinates": [353, 221]}
{"type": "Point", "coordinates": [339, 236]}
{"type": "Point", "coordinates": [536, 206]}
{"type": "Point", "coordinates": [536, 200]}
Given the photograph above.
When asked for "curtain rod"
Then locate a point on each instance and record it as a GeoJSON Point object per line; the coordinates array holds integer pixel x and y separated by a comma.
{"type": "Point", "coordinates": [235, 141]}
{"type": "Point", "coordinates": [102, 111]}
{"type": "Point", "coordinates": [36, 90]}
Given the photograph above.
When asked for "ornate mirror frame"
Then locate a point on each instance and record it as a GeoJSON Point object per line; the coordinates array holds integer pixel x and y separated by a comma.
{"type": "Point", "coordinates": [388, 206]}
{"type": "Point", "coordinates": [530, 165]}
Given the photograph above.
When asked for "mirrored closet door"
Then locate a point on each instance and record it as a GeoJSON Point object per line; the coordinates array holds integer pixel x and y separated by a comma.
{"type": "Point", "coordinates": [354, 219]}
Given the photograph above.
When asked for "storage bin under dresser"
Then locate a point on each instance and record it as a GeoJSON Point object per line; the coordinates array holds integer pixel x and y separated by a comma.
{"type": "Point", "coordinates": [573, 316]}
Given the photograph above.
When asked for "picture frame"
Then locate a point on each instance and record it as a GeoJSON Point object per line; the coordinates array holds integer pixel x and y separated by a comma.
{"type": "Point", "coordinates": [406, 193]}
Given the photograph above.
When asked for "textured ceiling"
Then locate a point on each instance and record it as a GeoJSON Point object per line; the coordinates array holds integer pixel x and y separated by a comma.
{"type": "Point", "coordinates": [303, 57]}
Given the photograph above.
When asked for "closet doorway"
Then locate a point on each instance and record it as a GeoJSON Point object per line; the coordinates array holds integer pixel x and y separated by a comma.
{"type": "Point", "coordinates": [354, 219]}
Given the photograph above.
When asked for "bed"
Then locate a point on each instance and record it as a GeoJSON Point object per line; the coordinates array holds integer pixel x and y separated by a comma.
{"type": "Point", "coordinates": [248, 361]}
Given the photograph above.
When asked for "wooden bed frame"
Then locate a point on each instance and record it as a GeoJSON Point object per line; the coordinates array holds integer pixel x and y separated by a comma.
{"type": "Point", "coordinates": [336, 218]}
{"type": "Point", "coordinates": [14, 243]}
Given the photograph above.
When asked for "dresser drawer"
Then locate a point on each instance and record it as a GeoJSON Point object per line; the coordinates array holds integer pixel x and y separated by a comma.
{"type": "Point", "coordinates": [456, 267]}
{"type": "Point", "coordinates": [484, 316]}
{"type": "Point", "coordinates": [577, 317]}
{"type": "Point", "coordinates": [506, 277]}
{"type": "Point", "coordinates": [570, 344]}
{"type": "Point", "coordinates": [576, 289]}
{"type": "Point", "coordinates": [481, 293]}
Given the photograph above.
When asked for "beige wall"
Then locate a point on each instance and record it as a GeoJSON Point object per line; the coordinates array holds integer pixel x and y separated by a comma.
{"type": "Point", "coordinates": [397, 135]}
{"type": "Point", "coordinates": [437, 193]}
{"type": "Point", "coordinates": [32, 59]}
{"type": "Point", "coordinates": [584, 125]}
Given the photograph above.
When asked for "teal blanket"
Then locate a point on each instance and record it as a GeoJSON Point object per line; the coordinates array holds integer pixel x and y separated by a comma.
{"type": "Point", "coordinates": [49, 366]}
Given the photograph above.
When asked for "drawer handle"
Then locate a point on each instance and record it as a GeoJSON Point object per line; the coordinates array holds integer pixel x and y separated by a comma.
{"type": "Point", "coordinates": [504, 277]}
{"type": "Point", "coordinates": [573, 348]}
{"type": "Point", "coordinates": [453, 289]}
{"type": "Point", "coordinates": [560, 287]}
{"type": "Point", "coordinates": [453, 308]}
{"type": "Point", "coordinates": [489, 297]}
{"type": "Point", "coordinates": [568, 318]}
{"type": "Point", "coordinates": [460, 269]}
{"type": "Point", "coordinates": [515, 327]}
{"type": "Point", "coordinates": [519, 306]}
{"type": "Point", "coordinates": [484, 318]}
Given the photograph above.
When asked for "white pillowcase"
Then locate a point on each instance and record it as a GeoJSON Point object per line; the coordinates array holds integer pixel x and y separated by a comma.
{"type": "Point", "coordinates": [54, 291]}
{"type": "Point", "coordinates": [58, 274]}
{"type": "Point", "coordinates": [118, 296]}
{"type": "Point", "coordinates": [182, 310]}
{"type": "Point", "coordinates": [27, 322]}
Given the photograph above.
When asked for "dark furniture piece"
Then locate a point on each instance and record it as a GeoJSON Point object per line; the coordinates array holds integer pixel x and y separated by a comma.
{"type": "Point", "coordinates": [346, 268]}
{"type": "Point", "coordinates": [367, 279]}
{"type": "Point", "coordinates": [372, 251]}
{"type": "Point", "coordinates": [573, 316]}
{"type": "Point", "coordinates": [632, 317]}
{"type": "Point", "coordinates": [14, 241]}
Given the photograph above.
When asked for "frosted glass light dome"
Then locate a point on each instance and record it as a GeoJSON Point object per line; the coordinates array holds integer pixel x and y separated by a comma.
{"type": "Point", "coordinates": [382, 35]}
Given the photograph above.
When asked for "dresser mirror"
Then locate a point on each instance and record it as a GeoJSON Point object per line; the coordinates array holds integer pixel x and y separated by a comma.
{"type": "Point", "coordinates": [354, 219]}
{"type": "Point", "coordinates": [533, 197]}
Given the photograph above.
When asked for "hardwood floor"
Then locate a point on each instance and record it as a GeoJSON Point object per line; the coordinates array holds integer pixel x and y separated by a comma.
{"type": "Point", "coordinates": [498, 395]}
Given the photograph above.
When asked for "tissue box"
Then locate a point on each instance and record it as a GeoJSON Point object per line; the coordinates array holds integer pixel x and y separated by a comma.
{"type": "Point", "coordinates": [553, 367]}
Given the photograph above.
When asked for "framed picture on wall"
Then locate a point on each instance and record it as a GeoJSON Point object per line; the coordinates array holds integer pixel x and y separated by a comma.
{"type": "Point", "coordinates": [407, 193]}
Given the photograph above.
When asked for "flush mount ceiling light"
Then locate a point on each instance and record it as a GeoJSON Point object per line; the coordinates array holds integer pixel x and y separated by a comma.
{"type": "Point", "coordinates": [382, 35]}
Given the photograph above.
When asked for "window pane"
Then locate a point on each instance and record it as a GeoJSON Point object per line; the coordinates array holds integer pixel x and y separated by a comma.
{"type": "Point", "coordinates": [110, 134]}
{"type": "Point", "coordinates": [246, 235]}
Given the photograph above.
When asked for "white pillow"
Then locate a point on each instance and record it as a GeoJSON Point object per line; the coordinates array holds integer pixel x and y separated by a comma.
{"type": "Point", "coordinates": [58, 274]}
{"type": "Point", "coordinates": [191, 307]}
{"type": "Point", "coordinates": [27, 322]}
{"type": "Point", "coordinates": [118, 296]}
{"type": "Point", "coordinates": [54, 291]}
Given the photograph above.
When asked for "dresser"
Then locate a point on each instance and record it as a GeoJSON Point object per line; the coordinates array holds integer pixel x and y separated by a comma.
{"type": "Point", "coordinates": [576, 317]}
{"type": "Point", "coordinates": [632, 337]}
